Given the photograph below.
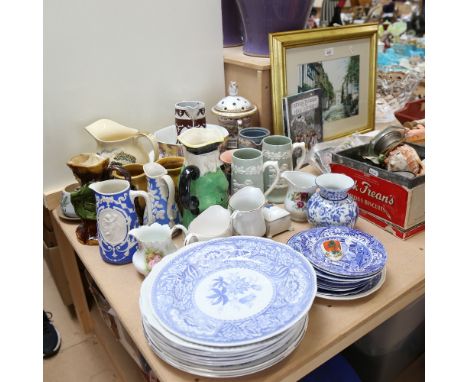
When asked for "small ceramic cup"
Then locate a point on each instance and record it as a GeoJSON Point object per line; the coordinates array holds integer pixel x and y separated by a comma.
{"type": "Point", "coordinates": [189, 114]}
{"type": "Point", "coordinates": [252, 137]}
{"type": "Point", "coordinates": [65, 201]}
{"type": "Point", "coordinates": [246, 206]}
{"type": "Point", "coordinates": [248, 169]}
{"type": "Point", "coordinates": [214, 222]}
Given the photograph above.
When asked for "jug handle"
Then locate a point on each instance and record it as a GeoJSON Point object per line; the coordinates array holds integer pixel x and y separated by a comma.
{"type": "Point", "coordinates": [118, 169]}
{"type": "Point", "coordinates": [273, 164]}
{"type": "Point", "coordinates": [144, 194]}
{"type": "Point", "coordinates": [154, 144]}
{"type": "Point", "coordinates": [301, 160]}
{"type": "Point", "coordinates": [189, 238]}
{"type": "Point", "coordinates": [171, 197]}
{"type": "Point", "coordinates": [233, 217]}
{"type": "Point", "coordinates": [188, 202]}
{"type": "Point", "coordinates": [183, 229]}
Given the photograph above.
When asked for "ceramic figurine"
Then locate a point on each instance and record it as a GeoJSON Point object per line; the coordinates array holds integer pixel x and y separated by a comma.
{"type": "Point", "coordinates": [280, 148]}
{"type": "Point", "coordinates": [154, 242]}
{"type": "Point", "coordinates": [116, 216]}
{"type": "Point", "coordinates": [234, 113]}
{"type": "Point", "coordinates": [121, 144]}
{"type": "Point", "coordinates": [161, 190]}
{"type": "Point", "coordinates": [301, 186]}
{"type": "Point", "coordinates": [202, 182]}
{"type": "Point", "coordinates": [332, 205]}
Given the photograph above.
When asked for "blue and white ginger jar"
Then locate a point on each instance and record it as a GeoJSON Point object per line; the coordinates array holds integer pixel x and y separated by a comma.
{"type": "Point", "coordinates": [332, 205]}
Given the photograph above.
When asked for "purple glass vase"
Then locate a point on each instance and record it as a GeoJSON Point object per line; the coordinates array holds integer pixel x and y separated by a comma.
{"type": "Point", "coordinates": [261, 17]}
{"type": "Point", "coordinates": [232, 24]}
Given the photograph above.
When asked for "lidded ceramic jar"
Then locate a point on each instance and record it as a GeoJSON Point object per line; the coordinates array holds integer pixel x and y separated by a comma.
{"type": "Point", "coordinates": [234, 113]}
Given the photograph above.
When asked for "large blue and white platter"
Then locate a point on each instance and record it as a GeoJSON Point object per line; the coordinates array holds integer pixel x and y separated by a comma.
{"type": "Point", "coordinates": [362, 254]}
{"type": "Point", "coordinates": [232, 291]}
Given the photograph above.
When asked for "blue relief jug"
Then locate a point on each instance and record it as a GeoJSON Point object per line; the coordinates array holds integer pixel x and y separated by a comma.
{"type": "Point", "coordinates": [116, 216]}
{"type": "Point", "coordinates": [332, 205]}
{"type": "Point", "coordinates": [163, 208]}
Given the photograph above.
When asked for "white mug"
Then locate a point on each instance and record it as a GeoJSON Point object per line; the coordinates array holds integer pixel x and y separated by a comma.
{"type": "Point", "coordinates": [247, 217]}
{"type": "Point", "coordinates": [214, 222]}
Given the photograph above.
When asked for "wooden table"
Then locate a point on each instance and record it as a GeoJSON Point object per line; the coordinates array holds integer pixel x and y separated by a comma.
{"type": "Point", "coordinates": [333, 325]}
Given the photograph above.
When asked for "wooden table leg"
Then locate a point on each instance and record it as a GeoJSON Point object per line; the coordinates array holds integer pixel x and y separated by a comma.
{"type": "Point", "coordinates": [72, 273]}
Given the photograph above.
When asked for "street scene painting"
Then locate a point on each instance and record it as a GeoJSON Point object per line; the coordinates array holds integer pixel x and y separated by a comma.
{"type": "Point", "coordinates": [339, 81]}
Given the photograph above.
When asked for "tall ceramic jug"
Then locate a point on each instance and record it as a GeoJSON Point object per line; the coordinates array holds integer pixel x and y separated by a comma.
{"type": "Point", "coordinates": [116, 216]}
{"type": "Point", "coordinates": [202, 182]}
{"type": "Point", "coordinates": [121, 144]}
{"type": "Point", "coordinates": [161, 190]}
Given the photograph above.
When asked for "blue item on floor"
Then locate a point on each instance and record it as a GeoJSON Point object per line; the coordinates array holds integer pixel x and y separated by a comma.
{"type": "Point", "coordinates": [337, 369]}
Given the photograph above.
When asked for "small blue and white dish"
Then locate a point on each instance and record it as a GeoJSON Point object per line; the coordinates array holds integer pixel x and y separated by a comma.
{"type": "Point", "coordinates": [341, 251]}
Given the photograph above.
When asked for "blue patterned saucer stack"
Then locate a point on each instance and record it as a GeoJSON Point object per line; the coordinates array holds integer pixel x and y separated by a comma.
{"type": "Point", "coordinates": [350, 264]}
{"type": "Point", "coordinates": [227, 307]}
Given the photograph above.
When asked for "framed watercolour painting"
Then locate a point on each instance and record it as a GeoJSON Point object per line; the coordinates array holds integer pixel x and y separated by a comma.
{"type": "Point", "coordinates": [341, 61]}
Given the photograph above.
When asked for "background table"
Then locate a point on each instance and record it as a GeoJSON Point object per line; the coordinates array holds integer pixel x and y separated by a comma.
{"type": "Point", "coordinates": [333, 325]}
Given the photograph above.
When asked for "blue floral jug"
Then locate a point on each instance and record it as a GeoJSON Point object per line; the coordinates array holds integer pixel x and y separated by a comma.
{"type": "Point", "coordinates": [161, 190]}
{"type": "Point", "coordinates": [116, 216]}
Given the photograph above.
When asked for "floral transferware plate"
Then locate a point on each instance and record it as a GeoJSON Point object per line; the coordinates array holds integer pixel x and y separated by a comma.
{"type": "Point", "coordinates": [373, 287]}
{"type": "Point", "coordinates": [232, 291]}
{"type": "Point", "coordinates": [234, 370]}
{"type": "Point", "coordinates": [341, 251]}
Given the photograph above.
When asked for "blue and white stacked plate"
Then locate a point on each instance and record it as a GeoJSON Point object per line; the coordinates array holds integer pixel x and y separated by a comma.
{"type": "Point", "coordinates": [350, 264]}
{"type": "Point", "coordinates": [227, 307]}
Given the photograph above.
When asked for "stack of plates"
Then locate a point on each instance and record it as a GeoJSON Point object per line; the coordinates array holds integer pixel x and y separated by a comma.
{"type": "Point", "coordinates": [227, 307]}
{"type": "Point", "coordinates": [350, 264]}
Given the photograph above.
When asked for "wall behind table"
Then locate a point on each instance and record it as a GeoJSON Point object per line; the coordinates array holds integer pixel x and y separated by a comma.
{"type": "Point", "coordinates": [129, 61]}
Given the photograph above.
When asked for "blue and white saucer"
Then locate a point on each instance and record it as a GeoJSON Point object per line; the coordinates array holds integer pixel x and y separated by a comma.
{"type": "Point", "coordinates": [232, 291]}
{"type": "Point", "coordinates": [341, 251]}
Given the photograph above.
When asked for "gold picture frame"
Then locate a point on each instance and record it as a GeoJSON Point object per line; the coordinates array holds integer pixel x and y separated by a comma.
{"type": "Point", "coordinates": [297, 56]}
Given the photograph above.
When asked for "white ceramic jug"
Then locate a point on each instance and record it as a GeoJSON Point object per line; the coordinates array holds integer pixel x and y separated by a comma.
{"type": "Point", "coordinates": [301, 186]}
{"type": "Point", "coordinates": [247, 215]}
{"type": "Point", "coordinates": [154, 242]}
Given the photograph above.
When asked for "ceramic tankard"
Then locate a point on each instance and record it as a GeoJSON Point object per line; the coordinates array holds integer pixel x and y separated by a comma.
{"type": "Point", "coordinates": [116, 216]}
{"type": "Point", "coordinates": [246, 206]}
{"type": "Point", "coordinates": [248, 169]}
{"type": "Point", "coordinates": [189, 114]}
{"type": "Point", "coordinates": [280, 148]}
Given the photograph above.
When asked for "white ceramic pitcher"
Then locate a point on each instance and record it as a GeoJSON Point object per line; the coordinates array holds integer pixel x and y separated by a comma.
{"type": "Point", "coordinates": [301, 186]}
{"type": "Point", "coordinates": [154, 242]}
{"type": "Point", "coordinates": [247, 216]}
